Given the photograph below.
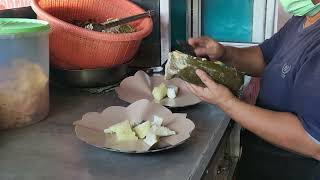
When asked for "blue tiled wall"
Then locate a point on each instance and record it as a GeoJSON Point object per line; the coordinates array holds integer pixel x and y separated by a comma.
{"type": "Point", "coordinates": [229, 21]}
{"type": "Point", "coordinates": [178, 21]}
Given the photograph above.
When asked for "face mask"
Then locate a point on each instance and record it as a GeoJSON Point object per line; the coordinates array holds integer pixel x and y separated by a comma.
{"type": "Point", "coordinates": [300, 7]}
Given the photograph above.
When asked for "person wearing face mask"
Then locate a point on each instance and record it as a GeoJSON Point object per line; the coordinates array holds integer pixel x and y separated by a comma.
{"type": "Point", "coordinates": [282, 136]}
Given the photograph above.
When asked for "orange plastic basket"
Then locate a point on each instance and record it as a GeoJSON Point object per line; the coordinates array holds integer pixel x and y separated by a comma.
{"type": "Point", "coordinates": [72, 47]}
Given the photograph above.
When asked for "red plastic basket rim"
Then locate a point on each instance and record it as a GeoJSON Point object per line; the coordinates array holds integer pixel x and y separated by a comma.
{"type": "Point", "coordinates": [97, 35]}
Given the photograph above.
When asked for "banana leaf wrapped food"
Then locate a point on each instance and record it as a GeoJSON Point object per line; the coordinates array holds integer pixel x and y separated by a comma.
{"type": "Point", "coordinates": [184, 66]}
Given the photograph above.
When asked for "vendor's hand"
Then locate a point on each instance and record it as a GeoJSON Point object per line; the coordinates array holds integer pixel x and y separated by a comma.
{"type": "Point", "coordinates": [213, 93]}
{"type": "Point", "coordinates": [205, 46]}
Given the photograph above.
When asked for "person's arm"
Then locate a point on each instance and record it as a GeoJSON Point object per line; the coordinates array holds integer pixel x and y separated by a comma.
{"type": "Point", "coordinates": [249, 60]}
{"type": "Point", "coordinates": [279, 128]}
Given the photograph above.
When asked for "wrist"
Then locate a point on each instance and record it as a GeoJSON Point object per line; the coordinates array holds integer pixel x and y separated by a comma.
{"type": "Point", "coordinates": [227, 105]}
{"type": "Point", "coordinates": [225, 53]}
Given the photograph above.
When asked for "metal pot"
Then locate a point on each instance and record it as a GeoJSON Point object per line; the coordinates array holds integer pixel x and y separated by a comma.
{"type": "Point", "coordinates": [89, 78]}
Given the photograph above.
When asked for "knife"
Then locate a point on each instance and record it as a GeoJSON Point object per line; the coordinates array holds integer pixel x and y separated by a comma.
{"type": "Point", "coordinates": [126, 20]}
{"type": "Point", "coordinates": [186, 48]}
{"type": "Point", "coordinates": [23, 12]}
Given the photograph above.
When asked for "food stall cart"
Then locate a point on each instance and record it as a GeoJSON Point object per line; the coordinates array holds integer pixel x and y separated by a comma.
{"type": "Point", "coordinates": [50, 149]}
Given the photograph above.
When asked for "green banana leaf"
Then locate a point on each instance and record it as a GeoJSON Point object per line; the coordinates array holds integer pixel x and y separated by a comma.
{"type": "Point", "coordinates": [184, 66]}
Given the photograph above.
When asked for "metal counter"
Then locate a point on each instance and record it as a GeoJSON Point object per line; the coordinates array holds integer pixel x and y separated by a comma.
{"type": "Point", "coordinates": [49, 150]}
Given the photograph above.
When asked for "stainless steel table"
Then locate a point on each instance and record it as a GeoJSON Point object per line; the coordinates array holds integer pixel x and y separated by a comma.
{"type": "Point", "coordinates": [50, 150]}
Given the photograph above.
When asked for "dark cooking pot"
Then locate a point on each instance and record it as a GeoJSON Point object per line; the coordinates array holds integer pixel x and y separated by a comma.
{"type": "Point", "coordinates": [89, 78]}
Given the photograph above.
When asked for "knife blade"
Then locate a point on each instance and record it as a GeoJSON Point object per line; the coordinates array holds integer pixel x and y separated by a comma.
{"type": "Point", "coordinates": [186, 48]}
{"type": "Point", "coordinates": [23, 12]}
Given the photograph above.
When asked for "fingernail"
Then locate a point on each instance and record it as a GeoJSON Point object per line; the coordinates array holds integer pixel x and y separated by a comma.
{"type": "Point", "coordinates": [199, 72]}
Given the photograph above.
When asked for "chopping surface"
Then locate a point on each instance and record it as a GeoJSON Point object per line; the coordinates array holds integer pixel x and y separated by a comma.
{"type": "Point", "coordinates": [50, 149]}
